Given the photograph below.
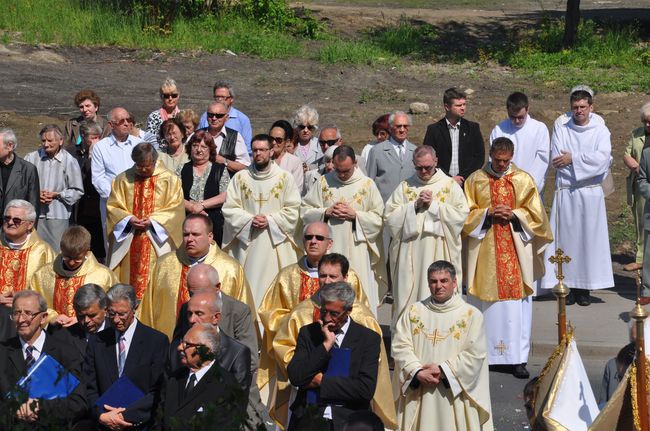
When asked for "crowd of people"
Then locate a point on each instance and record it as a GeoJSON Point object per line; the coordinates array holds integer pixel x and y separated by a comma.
{"type": "Point", "coordinates": [235, 278]}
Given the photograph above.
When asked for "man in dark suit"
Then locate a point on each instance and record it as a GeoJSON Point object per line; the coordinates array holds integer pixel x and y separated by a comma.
{"type": "Point", "coordinates": [201, 393]}
{"type": "Point", "coordinates": [18, 354]}
{"type": "Point", "coordinates": [458, 142]}
{"type": "Point", "coordinates": [336, 396]}
{"type": "Point", "coordinates": [127, 348]}
{"type": "Point", "coordinates": [18, 178]}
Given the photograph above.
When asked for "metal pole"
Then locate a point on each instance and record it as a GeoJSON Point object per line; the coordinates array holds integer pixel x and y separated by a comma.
{"type": "Point", "coordinates": [561, 292]}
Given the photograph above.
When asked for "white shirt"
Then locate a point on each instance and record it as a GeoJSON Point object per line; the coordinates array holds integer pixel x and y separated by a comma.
{"type": "Point", "coordinates": [241, 153]}
{"type": "Point", "coordinates": [128, 337]}
{"type": "Point", "coordinates": [327, 414]}
{"type": "Point", "coordinates": [110, 158]}
{"type": "Point", "coordinates": [454, 133]}
{"type": "Point", "coordinates": [199, 374]}
{"type": "Point", "coordinates": [37, 345]}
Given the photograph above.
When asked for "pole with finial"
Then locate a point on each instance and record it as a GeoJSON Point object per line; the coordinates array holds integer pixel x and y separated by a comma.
{"type": "Point", "coordinates": [560, 291]}
{"type": "Point", "coordinates": [639, 314]}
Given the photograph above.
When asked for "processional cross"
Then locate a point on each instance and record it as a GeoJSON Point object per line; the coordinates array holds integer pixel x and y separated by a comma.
{"type": "Point", "coordinates": [560, 291]}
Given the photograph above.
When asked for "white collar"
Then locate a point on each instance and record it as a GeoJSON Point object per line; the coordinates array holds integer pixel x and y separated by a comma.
{"type": "Point", "coordinates": [37, 345]}
{"type": "Point", "coordinates": [202, 372]}
{"type": "Point", "coordinates": [128, 334]}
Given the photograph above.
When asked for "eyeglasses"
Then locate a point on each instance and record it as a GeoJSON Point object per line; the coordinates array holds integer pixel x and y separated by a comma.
{"type": "Point", "coordinates": [424, 168]}
{"type": "Point", "coordinates": [260, 150]}
{"type": "Point", "coordinates": [122, 121]}
{"type": "Point", "coordinates": [328, 142]}
{"type": "Point", "coordinates": [187, 344]}
{"type": "Point", "coordinates": [401, 126]}
{"type": "Point", "coordinates": [216, 115]}
{"type": "Point", "coordinates": [302, 127]}
{"type": "Point", "coordinates": [334, 314]}
{"type": "Point", "coordinates": [15, 315]}
{"type": "Point", "coordinates": [222, 97]}
{"type": "Point", "coordinates": [170, 95]}
{"type": "Point", "coordinates": [121, 315]}
{"type": "Point", "coordinates": [15, 220]}
{"type": "Point", "coordinates": [277, 140]}
{"type": "Point", "coordinates": [309, 237]}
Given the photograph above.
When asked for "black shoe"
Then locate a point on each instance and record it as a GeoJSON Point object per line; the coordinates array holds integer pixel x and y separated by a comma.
{"type": "Point", "coordinates": [520, 371]}
{"type": "Point", "coordinates": [583, 299]}
{"type": "Point", "coordinates": [570, 298]}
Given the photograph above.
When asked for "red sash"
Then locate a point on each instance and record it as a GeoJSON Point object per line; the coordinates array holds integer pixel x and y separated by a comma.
{"type": "Point", "coordinates": [13, 269]}
{"type": "Point", "coordinates": [64, 290]}
{"type": "Point", "coordinates": [144, 197]}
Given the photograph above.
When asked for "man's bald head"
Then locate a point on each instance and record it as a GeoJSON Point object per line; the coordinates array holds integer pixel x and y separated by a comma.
{"type": "Point", "coordinates": [204, 307]}
{"type": "Point", "coordinates": [203, 277]}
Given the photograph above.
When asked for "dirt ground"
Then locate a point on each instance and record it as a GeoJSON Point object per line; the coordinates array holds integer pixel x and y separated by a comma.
{"type": "Point", "coordinates": [38, 83]}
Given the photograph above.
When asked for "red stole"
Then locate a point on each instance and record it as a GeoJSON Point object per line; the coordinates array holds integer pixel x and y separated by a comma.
{"type": "Point", "coordinates": [144, 197]}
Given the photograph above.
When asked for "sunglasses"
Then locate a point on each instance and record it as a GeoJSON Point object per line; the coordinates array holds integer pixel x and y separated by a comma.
{"type": "Point", "coordinates": [170, 95]}
{"type": "Point", "coordinates": [328, 142]}
{"type": "Point", "coordinates": [277, 140]}
{"type": "Point", "coordinates": [302, 126]}
{"type": "Point", "coordinates": [309, 237]}
{"type": "Point", "coordinates": [15, 220]}
{"type": "Point", "coordinates": [424, 168]}
{"type": "Point", "coordinates": [216, 115]}
{"type": "Point", "coordinates": [122, 122]}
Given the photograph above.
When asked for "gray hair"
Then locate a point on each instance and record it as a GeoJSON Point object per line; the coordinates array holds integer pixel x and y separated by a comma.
{"type": "Point", "coordinates": [329, 228]}
{"type": "Point", "coordinates": [218, 102]}
{"type": "Point", "coordinates": [329, 153]}
{"type": "Point", "coordinates": [442, 266]}
{"type": "Point", "coordinates": [332, 126]}
{"type": "Point", "coordinates": [8, 137]}
{"type": "Point", "coordinates": [22, 204]}
{"type": "Point", "coordinates": [423, 150]}
{"type": "Point", "coordinates": [111, 113]}
{"type": "Point", "coordinates": [87, 295]}
{"type": "Point", "coordinates": [90, 128]}
{"type": "Point", "coordinates": [209, 336]}
{"type": "Point", "coordinates": [305, 114]}
{"type": "Point", "coordinates": [645, 112]}
{"type": "Point", "coordinates": [224, 84]}
{"type": "Point", "coordinates": [391, 118]}
{"type": "Point", "coordinates": [338, 291]}
{"type": "Point", "coordinates": [144, 151]}
{"type": "Point", "coordinates": [122, 292]}
{"type": "Point", "coordinates": [168, 83]}
{"type": "Point", "coordinates": [42, 303]}
{"type": "Point", "coordinates": [51, 128]}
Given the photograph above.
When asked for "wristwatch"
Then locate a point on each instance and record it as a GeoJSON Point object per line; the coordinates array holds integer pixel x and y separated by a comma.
{"type": "Point", "coordinates": [225, 163]}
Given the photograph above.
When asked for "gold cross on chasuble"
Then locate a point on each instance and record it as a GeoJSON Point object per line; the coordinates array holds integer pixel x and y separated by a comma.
{"type": "Point", "coordinates": [260, 201]}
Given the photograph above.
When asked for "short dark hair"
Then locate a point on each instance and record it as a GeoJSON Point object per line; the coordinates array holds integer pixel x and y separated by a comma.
{"type": "Point", "coordinates": [204, 218]}
{"type": "Point", "coordinates": [442, 265]}
{"type": "Point", "coordinates": [581, 95]}
{"type": "Point", "coordinates": [516, 101]}
{"type": "Point", "coordinates": [75, 240]}
{"type": "Point", "coordinates": [87, 295]}
{"type": "Point", "coordinates": [263, 137]}
{"type": "Point", "coordinates": [343, 152]}
{"type": "Point", "coordinates": [284, 125]}
{"type": "Point", "coordinates": [168, 124]}
{"type": "Point", "coordinates": [86, 94]}
{"type": "Point", "coordinates": [144, 151]}
{"type": "Point", "coordinates": [452, 94]}
{"type": "Point", "coordinates": [625, 356]}
{"type": "Point", "coordinates": [336, 259]}
{"type": "Point", "coordinates": [502, 144]}
{"type": "Point", "coordinates": [363, 420]}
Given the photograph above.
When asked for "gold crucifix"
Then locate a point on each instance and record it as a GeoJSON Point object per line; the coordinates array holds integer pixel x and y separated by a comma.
{"type": "Point", "coordinates": [559, 258]}
{"type": "Point", "coordinates": [435, 336]}
{"type": "Point", "coordinates": [501, 348]}
{"type": "Point", "coordinates": [260, 200]}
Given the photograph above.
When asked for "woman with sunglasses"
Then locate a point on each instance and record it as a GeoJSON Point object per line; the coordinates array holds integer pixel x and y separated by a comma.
{"type": "Point", "coordinates": [305, 121]}
{"type": "Point", "coordinates": [169, 95]}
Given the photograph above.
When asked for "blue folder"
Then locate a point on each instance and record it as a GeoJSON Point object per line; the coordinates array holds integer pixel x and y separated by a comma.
{"type": "Point", "coordinates": [338, 366]}
{"type": "Point", "coordinates": [47, 380]}
{"type": "Point", "coordinates": [122, 393]}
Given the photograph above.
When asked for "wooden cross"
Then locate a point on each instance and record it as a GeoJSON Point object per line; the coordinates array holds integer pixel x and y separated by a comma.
{"type": "Point", "coordinates": [260, 200]}
{"type": "Point", "coordinates": [559, 258]}
{"type": "Point", "coordinates": [501, 348]}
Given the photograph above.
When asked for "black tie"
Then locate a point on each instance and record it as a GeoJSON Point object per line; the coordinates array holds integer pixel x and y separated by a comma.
{"type": "Point", "coordinates": [29, 359]}
{"type": "Point", "coordinates": [190, 385]}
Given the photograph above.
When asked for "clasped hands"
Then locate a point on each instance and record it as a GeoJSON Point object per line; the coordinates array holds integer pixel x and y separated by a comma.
{"type": "Point", "coordinates": [47, 197]}
{"type": "Point", "coordinates": [342, 211]}
{"type": "Point", "coordinates": [260, 222]}
{"type": "Point", "coordinates": [424, 199]}
{"type": "Point", "coordinates": [501, 214]}
{"type": "Point", "coordinates": [113, 418]}
{"type": "Point", "coordinates": [429, 375]}
{"type": "Point", "coordinates": [140, 223]}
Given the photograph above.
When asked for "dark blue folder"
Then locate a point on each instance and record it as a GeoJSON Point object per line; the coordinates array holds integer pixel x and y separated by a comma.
{"type": "Point", "coordinates": [122, 393]}
{"type": "Point", "coordinates": [47, 380]}
{"type": "Point", "coordinates": [338, 366]}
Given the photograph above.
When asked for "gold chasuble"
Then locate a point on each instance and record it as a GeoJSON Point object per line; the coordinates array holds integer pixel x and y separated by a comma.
{"type": "Point", "coordinates": [167, 289]}
{"type": "Point", "coordinates": [160, 199]}
{"type": "Point", "coordinates": [262, 252]}
{"type": "Point", "coordinates": [501, 263]}
{"type": "Point", "coordinates": [58, 285]}
{"type": "Point", "coordinates": [284, 346]}
{"type": "Point", "coordinates": [359, 240]}
{"type": "Point", "coordinates": [292, 286]}
{"type": "Point", "coordinates": [17, 266]}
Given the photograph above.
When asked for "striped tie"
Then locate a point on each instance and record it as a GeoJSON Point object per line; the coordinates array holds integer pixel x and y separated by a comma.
{"type": "Point", "coordinates": [122, 358]}
{"type": "Point", "coordinates": [29, 358]}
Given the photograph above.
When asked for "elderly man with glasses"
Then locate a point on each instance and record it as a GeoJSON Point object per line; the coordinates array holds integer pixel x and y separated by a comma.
{"type": "Point", "coordinates": [231, 148]}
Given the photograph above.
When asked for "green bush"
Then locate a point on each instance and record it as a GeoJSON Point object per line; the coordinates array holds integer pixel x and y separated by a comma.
{"type": "Point", "coordinates": [407, 38]}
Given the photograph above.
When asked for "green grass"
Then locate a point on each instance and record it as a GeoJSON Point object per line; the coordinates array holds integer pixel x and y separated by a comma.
{"type": "Point", "coordinates": [354, 52]}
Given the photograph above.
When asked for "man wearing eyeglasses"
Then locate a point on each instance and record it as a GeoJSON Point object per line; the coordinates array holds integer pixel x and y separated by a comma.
{"type": "Point", "coordinates": [332, 268]}
{"type": "Point", "coordinates": [425, 217]}
{"type": "Point", "coordinates": [224, 92]}
{"type": "Point", "coordinates": [18, 354]}
{"type": "Point", "coordinates": [128, 348]}
{"type": "Point", "coordinates": [231, 148]}
{"type": "Point", "coordinates": [458, 142]}
{"type": "Point", "coordinates": [391, 161]}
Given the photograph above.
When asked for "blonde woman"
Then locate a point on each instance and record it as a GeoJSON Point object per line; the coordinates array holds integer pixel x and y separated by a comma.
{"type": "Point", "coordinates": [169, 95]}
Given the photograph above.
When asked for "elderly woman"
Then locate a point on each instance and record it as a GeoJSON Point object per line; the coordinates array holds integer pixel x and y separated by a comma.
{"type": "Point", "coordinates": [88, 103]}
{"type": "Point", "coordinates": [190, 120]}
{"type": "Point", "coordinates": [204, 182]}
{"type": "Point", "coordinates": [381, 132]}
{"type": "Point", "coordinates": [172, 139]}
{"type": "Point", "coordinates": [305, 121]}
{"type": "Point", "coordinates": [169, 95]}
{"type": "Point", "coordinates": [631, 158]}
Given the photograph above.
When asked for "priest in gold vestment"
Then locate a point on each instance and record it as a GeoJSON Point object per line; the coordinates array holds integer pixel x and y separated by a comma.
{"type": "Point", "coordinates": [425, 216]}
{"type": "Point", "coordinates": [58, 281]}
{"type": "Point", "coordinates": [168, 290]}
{"type": "Point", "coordinates": [22, 251]}
{"type": "Point", "coordinates": [144, 214]}
{"type": "Point", "coordinates": [261, 212]}
{"type": "Point", "coordinates": [441, 379]}
{"type": "Point", "coordinates": [350, 203]}
{"type": "Point", "coordinates": [507, 231]}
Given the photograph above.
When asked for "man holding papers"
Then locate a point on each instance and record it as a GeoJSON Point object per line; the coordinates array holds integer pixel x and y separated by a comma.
{"type": "Point", "coordinates": [126, 349]}
{"type": "Point", "coordinates": [18, 354]}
